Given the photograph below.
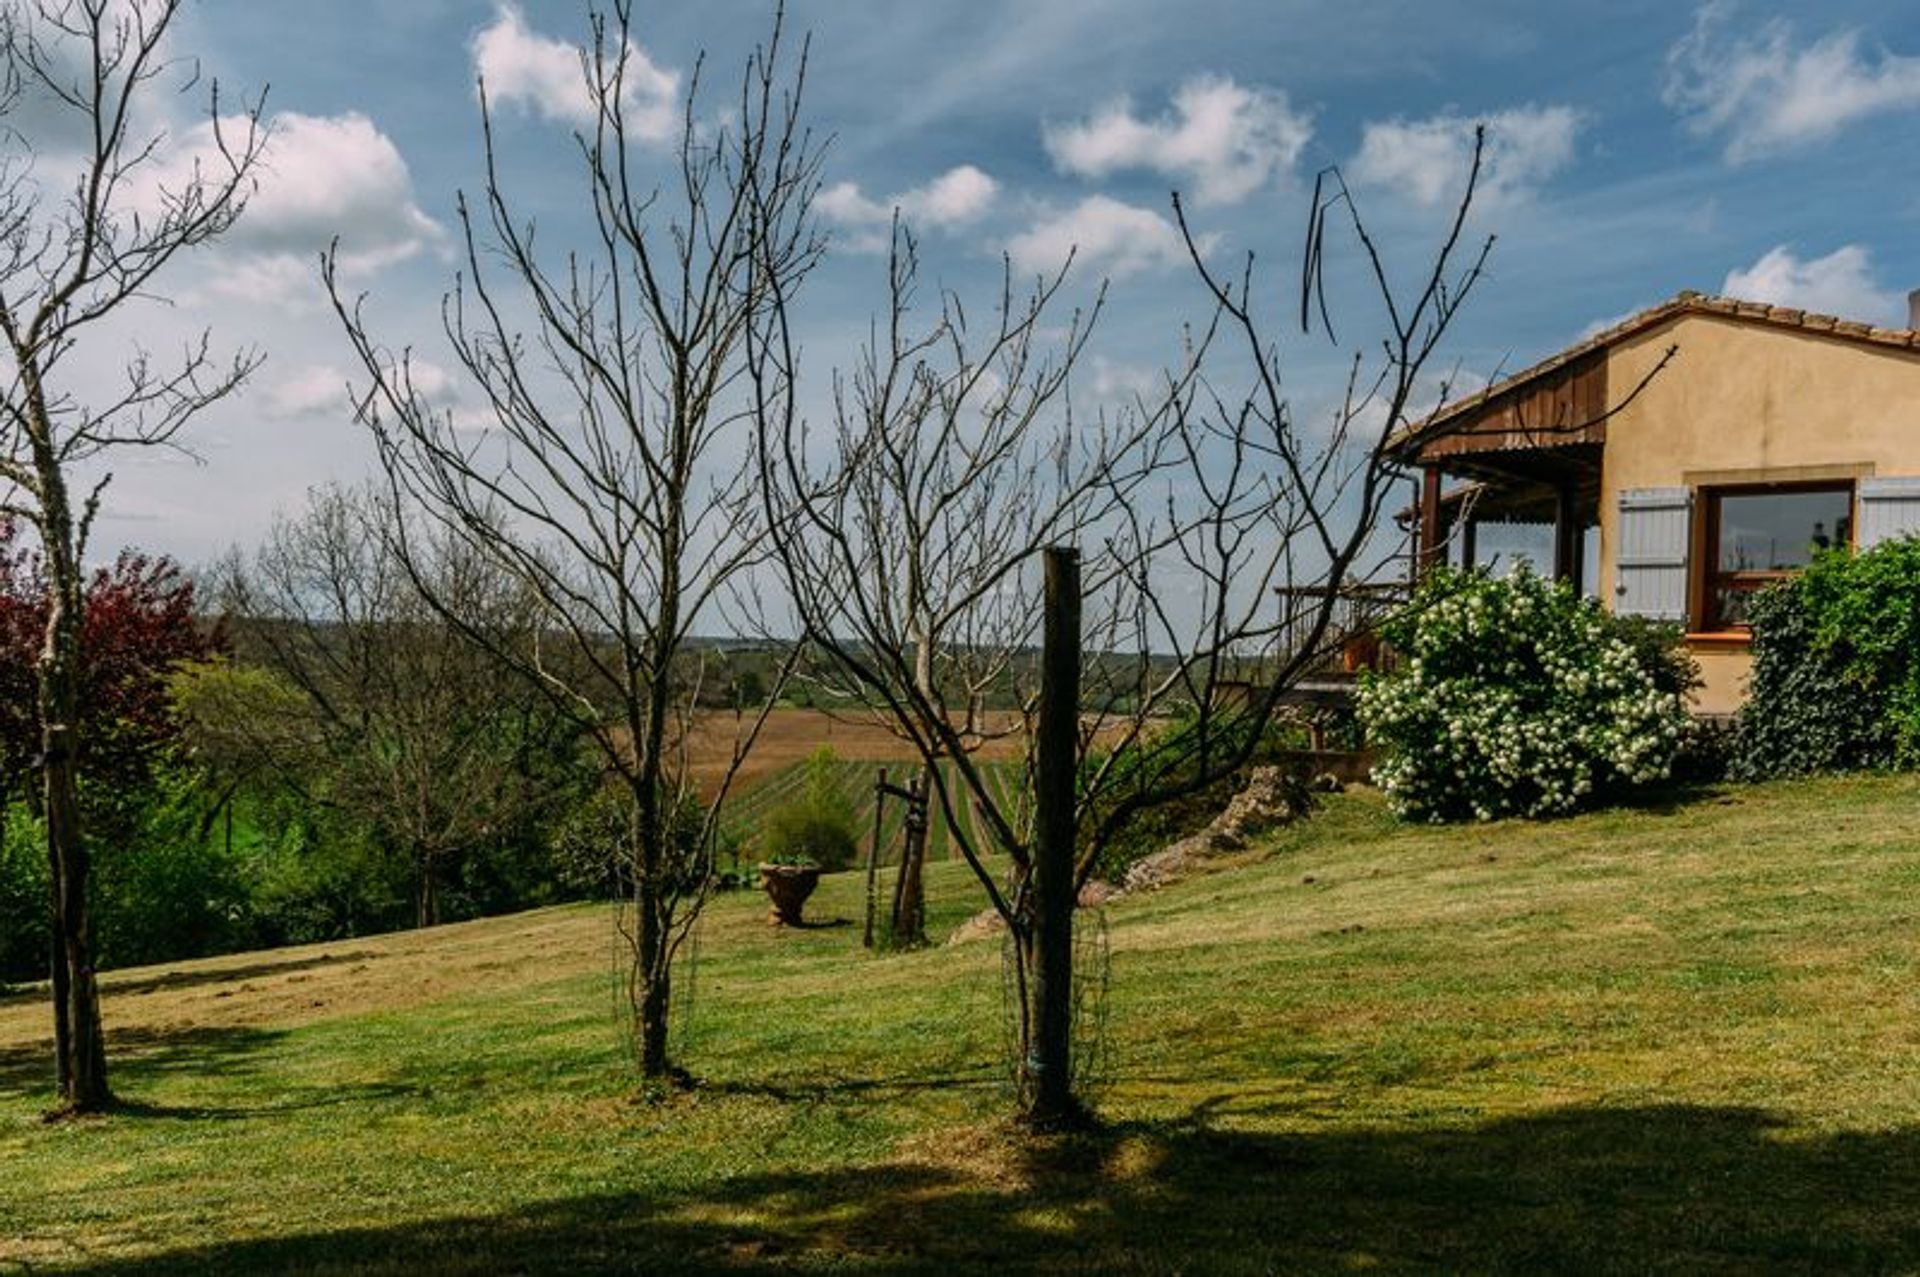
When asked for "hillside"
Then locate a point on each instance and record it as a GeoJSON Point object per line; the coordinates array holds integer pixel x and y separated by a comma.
{"type": "Point", "coordinates": [1674, 1039]}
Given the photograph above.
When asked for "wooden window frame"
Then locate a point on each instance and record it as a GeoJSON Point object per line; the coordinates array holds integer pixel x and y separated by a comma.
{"type": "Point", "coordinates": [1705, 571]}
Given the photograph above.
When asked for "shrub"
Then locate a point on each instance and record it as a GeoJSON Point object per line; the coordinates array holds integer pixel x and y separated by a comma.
{"type": "Point", "coordinates": [1515, 696]}
{"type": "Point", "coordinates": [820, 825]}
{"type": "Point", "coordinates": [1836, 667]}
{"type": "Point", "coordinates": [25, 937]}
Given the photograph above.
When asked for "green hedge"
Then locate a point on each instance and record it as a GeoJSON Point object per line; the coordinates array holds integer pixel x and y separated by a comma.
{"type": "Point", "coordinates": [1836, 667]}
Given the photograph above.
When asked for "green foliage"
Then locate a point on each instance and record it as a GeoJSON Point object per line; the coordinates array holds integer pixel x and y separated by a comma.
{"type": "Point", "coordinates": [316, 876]}
{"type": "Point", "coordinates": [166, 886]}
{"type": "Point", "coordinates": [1514, 696]}
{"type": "Point", "coordinates": [1836, 667]}
{"type": "Point", "coordinates": [818, 827]}
{"type": "Point", "coordinates": [25, 939]}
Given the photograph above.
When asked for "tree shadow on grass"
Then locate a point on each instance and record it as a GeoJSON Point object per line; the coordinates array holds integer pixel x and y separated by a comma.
{"type": "Point", "coordinates": [114, 985]}
{"type": "Point", "coordinates": [137, 1056]}
{"type": "Point", "coordinates": [1655, 1189]}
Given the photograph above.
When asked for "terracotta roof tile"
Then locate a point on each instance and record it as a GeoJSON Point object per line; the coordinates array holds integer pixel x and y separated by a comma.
{"type": "Point", "coordinates": [1685, 302]}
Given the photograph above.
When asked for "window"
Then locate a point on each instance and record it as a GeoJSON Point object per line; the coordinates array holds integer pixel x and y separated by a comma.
{"type": "Point", "coordinates": [1755, 536]}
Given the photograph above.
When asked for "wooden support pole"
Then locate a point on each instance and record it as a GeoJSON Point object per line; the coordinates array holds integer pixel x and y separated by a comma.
{"type": "Point", "coordinates": [1431, 550]}
{"type": "Point", "coordinates": [1048, 1066]}
{"type": "Point", "coordinates": [1566, 536]}
{"type": "Point", "coordinates": [873, 852]}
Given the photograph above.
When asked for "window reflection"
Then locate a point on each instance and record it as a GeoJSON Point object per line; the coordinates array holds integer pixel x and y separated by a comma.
{"type": "Point", "coordinates": [1758, 537]}
{"type": "Point", "coordinates": [1780, 531]}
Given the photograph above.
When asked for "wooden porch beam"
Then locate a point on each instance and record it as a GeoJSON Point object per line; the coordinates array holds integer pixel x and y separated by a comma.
{"type": "Point", "coordinates": [1568, 561]}
{"type": "Point", "coordinates": [1431, 551]}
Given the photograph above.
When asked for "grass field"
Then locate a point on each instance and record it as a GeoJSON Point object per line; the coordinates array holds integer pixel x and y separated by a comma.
{"type": "Point", "coordinates": [1680, 1039]}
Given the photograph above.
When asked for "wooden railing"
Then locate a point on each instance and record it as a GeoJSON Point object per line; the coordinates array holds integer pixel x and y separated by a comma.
{"type": "Point", "coordinates": [1351, 641]}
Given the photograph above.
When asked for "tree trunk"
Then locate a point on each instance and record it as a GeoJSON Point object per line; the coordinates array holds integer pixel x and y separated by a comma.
{"type": "Point", "coordinates": [426, 911]}
{"type": "Point", "coordinates": [57, 960]}
{"type": "Point", "coordinates": [652, 965]}
{"type": "Point", "coordinates": [1046, 1080]}
{"type": "Point", "coordinates": [82, 1058]}
{"type": "Point", "coordinates": [81, 1064]}
{"type": "Point", "coordinates": [653, 978]}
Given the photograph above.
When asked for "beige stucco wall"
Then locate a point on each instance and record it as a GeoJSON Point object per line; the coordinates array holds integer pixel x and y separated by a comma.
{"type": "Point", "coordinates": [1723, 677]}
{"type": "Point", "coordinates": [1745, 402]}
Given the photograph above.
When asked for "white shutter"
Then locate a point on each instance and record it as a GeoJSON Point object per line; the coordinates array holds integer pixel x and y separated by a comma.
{"type": "Point", "coordinates": [1650, 568]}
{"type": "Point", "coordinates": [1887, 508]}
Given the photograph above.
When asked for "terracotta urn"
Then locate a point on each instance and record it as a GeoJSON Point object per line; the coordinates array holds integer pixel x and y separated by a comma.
{"type": "Point", "coordinates": [788, 886]}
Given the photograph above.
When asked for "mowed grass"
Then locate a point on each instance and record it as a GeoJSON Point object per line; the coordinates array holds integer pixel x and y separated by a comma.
{"type": "Point", "coordinates": [1680, 1039]}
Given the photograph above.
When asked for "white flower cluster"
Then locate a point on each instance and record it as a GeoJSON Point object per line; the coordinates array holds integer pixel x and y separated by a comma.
{"type": "Point", "coordinates": [1513, 697]}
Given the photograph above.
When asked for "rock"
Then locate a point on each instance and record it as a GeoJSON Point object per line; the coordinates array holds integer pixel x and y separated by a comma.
{"type": "Point", "coordinates": [987, 922]}
{"type": "Point", "coordinates": [1272, 796]}
{"type": "Point", "coordinates": [1097, 893]}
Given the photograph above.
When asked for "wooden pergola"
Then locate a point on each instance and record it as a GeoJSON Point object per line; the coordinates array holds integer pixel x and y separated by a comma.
{"type": "Point", "coordinates": [1527, 450]}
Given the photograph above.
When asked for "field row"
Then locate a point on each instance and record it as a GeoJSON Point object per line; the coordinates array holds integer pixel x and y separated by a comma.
{"type": "Point", "coordinates": [746, 813]}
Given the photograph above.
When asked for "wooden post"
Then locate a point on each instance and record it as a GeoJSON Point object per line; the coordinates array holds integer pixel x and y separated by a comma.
{"type": "Point", "coordinates": [873, 852]}
{"type": "Point", "coordinates": [909, 900]}
{"type": "Point", "coordinates": [1566, 536]}
{"type": "Point", "coordinates": [1469, 542]}
{"type": "Point", "coordinates": [1048, 1067]}
{"type": "Point", "coordinates": [1431, 550]}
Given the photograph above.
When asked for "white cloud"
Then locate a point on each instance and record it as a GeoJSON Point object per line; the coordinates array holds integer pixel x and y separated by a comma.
{"type": "Point", "coordinates": [1121, 382]}
{"type": "Point", "coordinates": [956, 197]}
{"type": "Point", "coordinates": [1104, 236]}
{"type": "Point", "coordinates": [313, 389]}
{"type": "Point", "coordinates": [1841, 283]}
{"type": "Point", "coordinates": [1225, 138]}
{"type": "Point", "coordinates": [1428, 160]}
{"type": "Point", "coordinates": [547, 77]}
{"type": "Point", "coordinates": [320, 178]}
{"type": "Point", "coordinates": [1765, 94]}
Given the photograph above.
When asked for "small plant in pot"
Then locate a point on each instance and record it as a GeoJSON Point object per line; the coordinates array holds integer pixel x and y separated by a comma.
{"type": "Point", "coordinates": [788, 881]}
{"type": "Point", "coordinates": [815, 832]}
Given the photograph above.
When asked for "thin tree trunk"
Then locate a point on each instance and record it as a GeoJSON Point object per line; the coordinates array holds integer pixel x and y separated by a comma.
{"type": "Point", "coordinates": [652, 976]}
{"type": "Point", "coordinates": [57, 971]}
{"type": "Point", "coordinates": [1047, 1067]}
{"type": "Point", "coordinates": [82, 1061]}
{"type": "Point", "coordinates": [81, 1066]}
{"type": "Point", "coordinates": [426, 911]}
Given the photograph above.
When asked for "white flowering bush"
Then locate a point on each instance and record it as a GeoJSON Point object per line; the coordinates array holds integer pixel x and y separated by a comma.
{"type": "Point", "coordinates": [1514, 696]}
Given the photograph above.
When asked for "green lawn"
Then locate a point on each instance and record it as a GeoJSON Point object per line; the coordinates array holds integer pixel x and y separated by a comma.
{"type": "Point", "coordinates": [1684, 1038]}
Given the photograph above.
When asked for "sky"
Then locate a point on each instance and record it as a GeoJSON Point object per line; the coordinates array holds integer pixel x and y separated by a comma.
{"type": "Point", "coordinates": [1767, 151]}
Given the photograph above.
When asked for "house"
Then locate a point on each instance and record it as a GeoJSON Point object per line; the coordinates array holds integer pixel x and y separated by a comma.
{"type": "Point", "coordinates": [1691, 454]}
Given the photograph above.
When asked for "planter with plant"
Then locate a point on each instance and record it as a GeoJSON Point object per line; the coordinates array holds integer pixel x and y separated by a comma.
{"type": "Point", "coordinates": [815, 832]}
{"type": "Point", "coordinates": [788, 881]}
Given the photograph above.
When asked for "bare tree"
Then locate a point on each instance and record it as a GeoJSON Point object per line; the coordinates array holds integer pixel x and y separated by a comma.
{"type": "Point", "coordinates": [1224, 536]}
{"type": "Point", "coordinates": [378, 708]}
{"type": "Point", "coordinates": [79, 242]}
{"type": "Point", "coordinates": [601, 482]}
{"type": "Point", "coordinates": [908, 534]}
{"type": "Point", "coordinates": [938, 471]}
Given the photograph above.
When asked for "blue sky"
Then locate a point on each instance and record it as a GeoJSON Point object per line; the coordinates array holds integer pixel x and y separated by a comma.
{"type": "Point", "coordinates": [1640, 148]}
